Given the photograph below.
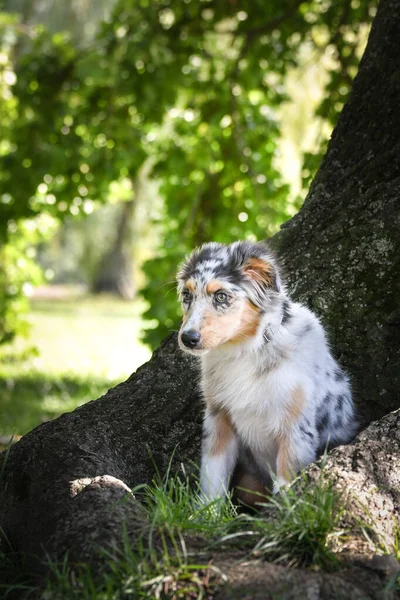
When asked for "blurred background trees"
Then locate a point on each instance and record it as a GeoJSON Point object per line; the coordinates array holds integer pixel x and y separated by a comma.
{"type": "Point", "coordinates": [133, 130]}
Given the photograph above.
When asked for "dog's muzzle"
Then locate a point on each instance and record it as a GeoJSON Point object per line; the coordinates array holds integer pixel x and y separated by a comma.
{"type": "Point", "coordinates": [190, 339]}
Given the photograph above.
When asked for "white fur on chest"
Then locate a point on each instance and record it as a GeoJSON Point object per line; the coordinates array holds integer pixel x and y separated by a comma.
{"type": "Point", "coordinates": [255, 397]}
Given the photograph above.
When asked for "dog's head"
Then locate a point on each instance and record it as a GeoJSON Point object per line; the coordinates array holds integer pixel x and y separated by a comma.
{"type": "Point", "coordinates": [224, 291]}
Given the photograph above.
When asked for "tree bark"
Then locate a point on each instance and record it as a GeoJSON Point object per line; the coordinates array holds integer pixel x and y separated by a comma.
{"type": "Point", "coordinates": [123, 435]}
{"type": "Point", "coordinates": [342, 250]}
{"type": "Point", "coordinates": [342, 257]}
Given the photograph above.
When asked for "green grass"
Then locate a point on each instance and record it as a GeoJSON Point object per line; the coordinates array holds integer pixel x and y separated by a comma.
{"type": "Point", "coordinates": [294, 528]}
{"type": "Point", "coordinates": [87, 335]}
{"type": "Point", "coordinates": [32, 397]}
{"type": "Point", "coordinates": [82, 347]}
{"type": "Point", "coordinates": [174, 503]}
{"type": "Point", "coordinates": [134, 573]}
{"type": "Point", "coordinates": [303, 525]}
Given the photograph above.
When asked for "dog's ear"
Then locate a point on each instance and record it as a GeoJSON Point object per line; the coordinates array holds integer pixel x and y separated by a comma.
{"type": "Point", "coordinates": [259, 270]}
{"type": "Point", "coordinates": [262, 272]}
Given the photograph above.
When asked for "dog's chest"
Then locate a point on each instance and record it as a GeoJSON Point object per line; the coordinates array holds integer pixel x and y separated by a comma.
{"type": "Point", "coordinates": [255, 399]}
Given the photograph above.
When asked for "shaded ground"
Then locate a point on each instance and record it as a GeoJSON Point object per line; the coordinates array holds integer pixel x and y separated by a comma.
{"type": "Point", "coordinates": [259, 580]}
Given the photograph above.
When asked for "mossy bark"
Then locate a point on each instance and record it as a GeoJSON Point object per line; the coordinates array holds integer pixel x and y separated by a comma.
{"type": "Point", "coordinates": [342, 258]}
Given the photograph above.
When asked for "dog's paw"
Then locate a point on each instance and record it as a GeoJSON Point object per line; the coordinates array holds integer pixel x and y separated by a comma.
{"type": "Point", "coordinates": [279, 483]}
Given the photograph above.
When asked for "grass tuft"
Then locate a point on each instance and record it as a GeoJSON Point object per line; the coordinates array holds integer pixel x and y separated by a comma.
{"type": "Point", "coordinates": [133, 572]}
{"type": "Point", "coordinates": [173, 503]}
{"type": "Point", "coordinates": [296, 527]}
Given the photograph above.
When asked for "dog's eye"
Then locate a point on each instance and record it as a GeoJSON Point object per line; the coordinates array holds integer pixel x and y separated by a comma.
{"type": "Point", "coordinates": [186, 297]}
{"type": "Point", "coordinates": [221, 296]}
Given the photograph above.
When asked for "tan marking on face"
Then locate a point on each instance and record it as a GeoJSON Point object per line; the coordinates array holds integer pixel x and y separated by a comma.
{"type": "Point", "coordinates": [218, 328]}
{"type": "Point", "coordinates": [213, 286]}
{"type": "Point", "coordinates": [259, 270]}
{"type": "Point", "coordinates": [191, 285]}
{"type": "Point", "coordinates": [237, 324]}
{"type": "Point", "coordinates": [223, 433]}
{"type": "Point", "coordinates": [249, 323]}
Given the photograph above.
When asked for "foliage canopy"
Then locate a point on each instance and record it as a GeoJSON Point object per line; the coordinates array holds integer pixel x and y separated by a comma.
{"type": "Point", "coordinates": [193, 88]}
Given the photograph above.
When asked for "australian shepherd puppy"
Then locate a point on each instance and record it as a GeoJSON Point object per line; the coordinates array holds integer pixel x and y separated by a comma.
{"type": "Point", "coordinates": [275, 397]}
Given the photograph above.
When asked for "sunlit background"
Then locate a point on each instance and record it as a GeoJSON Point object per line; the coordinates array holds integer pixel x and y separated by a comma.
{"type": "Point", "coordinates": [130, 132]}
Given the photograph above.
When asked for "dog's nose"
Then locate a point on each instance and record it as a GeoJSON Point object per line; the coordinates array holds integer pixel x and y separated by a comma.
{"type": "Point", "coordinates": [190, 338]}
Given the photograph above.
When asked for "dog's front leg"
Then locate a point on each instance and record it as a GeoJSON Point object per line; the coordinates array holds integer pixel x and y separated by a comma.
{"type": "Point", "coordinates": [287, 463]}
{"type": "Point", "coordinates": [219, 454]}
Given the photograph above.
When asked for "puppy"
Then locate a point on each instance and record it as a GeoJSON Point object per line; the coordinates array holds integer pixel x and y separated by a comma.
{"type": "Point", "coordinates": [275, 396]}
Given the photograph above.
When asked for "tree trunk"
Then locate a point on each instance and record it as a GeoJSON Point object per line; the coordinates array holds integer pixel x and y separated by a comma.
{"type": "Point", "coordinates": [342, 257]}
{"type": "Point", "coordinates": [342, 250]}
{"type": "Point", "coordinates": [114, 274]}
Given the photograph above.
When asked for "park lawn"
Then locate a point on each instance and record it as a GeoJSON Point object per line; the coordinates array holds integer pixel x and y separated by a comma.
{"type": "Point", "coordinates": [84, 346]}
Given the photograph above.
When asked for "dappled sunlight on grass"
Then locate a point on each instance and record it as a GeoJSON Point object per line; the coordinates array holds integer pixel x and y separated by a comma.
{"type": "Point", "coordinates": [32, 397]}
{"type": "Point", "coordinates": [83, 346]}
{"type": "Point", "coordinates": [90, 335]}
